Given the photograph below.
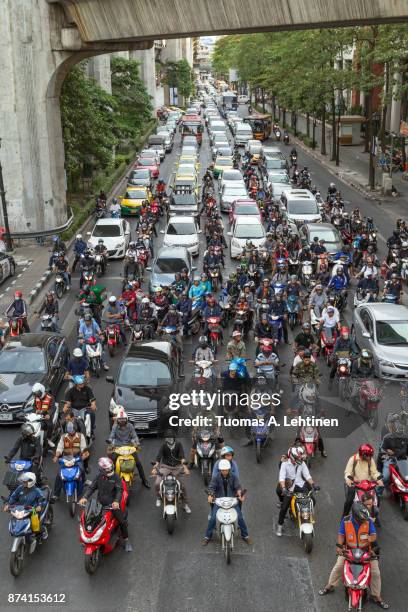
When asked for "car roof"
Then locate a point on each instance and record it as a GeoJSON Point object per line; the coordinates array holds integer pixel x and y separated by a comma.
{"type": "Point", "coordinates": [172, 251]}
{"type": "Point", "coordinates": [110, 221]}
{"type": "Point", "coordinates": [150, 347]}
{"type": "Point", "coordinates": [320, 226]}
{"type": "Point", "coordinates": [32, 340]}
{"type": "Point", "coordinates": [181, 219]}
{"type": "Point", "coordinates": [248, 220]}
{"type": "Point", "coordinates": [387, 312]}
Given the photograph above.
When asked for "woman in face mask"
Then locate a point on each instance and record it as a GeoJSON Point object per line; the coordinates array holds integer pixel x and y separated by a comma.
{"type": "Point", "coordinates": [171, 460]}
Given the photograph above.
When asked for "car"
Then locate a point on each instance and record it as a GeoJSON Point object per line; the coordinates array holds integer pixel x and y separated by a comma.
{"type": "Point", "coordinates": [244, 207]}
{"type": "Point", "coordinates": [7, 266]}
{"type": "Point", "coordinates": [230, 191]}
{"type": "Point", "coordinates": [224, 151]}
{"type": "Point", "coordinates": [159, 150]}
{"type": "Point", "coordinates": [185, 184]}
{"type": "Point", "coordinates": [189, 150]}
{"type": "Point", "coordinates": [301, 206]}
{"type": "Point", "coordinates": [182, 230]}
{"type": "Point", "coordinates": [184, 204]}
{"type": "Point", "coordinates": [139, 178]}
{"type": "Point", "coordinates": [242, 133]}
{"type": "Point", "coordinates": [254, 147]}
{"type": "Point", "coordinates": [275, 163]}
{"type": "Point", "coordinates": [220, 145]}
{"type": "Point", "coordinates": [245, 228]}
{"type": "Point", "coordinates": [168, 138]}
{"type": "Point", "coordinates": [383, 329]}
{"type": "Point", "coordinates": [220, 164]}
{"type": "Point", "coordinates": [243, 99]}
{"type": "Point", "coordinates": [327, 231]}
{"type": "Point", "coordinates": [167, 262]}
{"type": "Point", "coordinates": [148, 163]}
{"type": "Point", "coordinates": [278, 182]}
{"type": "Point", "coordinates": [149, 154]}
{"type": "Point", "coordinates": [229, 175]}
{"type": "Point", "coordinates": [115, 234]}
{"type": "Point", "coordinates": [27, 359]}
{"type": "Point", "coordinates": [148, 374]}
{"type": "Point", "coordinates": [190, 141]}
{"type": "Point", "coordinates": [133, 199]}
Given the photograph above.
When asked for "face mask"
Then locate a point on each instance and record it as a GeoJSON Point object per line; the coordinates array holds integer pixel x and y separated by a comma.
{"type": "Point", "coordinates": [170, 442]}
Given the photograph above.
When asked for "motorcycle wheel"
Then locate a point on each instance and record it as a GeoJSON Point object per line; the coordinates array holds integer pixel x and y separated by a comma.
{"type": "Point", "coordinates": [170, 523]}
{"type": "Point", "coordinates": [206, 478]}
{"type": "Point", "coordinates": [72, 507]}
{"type": "Point", "coordinates": [92, 562]}
{"type": "Point", "coordinates": [17, 560]}
{"type": "Point", "coordinates": [308, 542]}
{"type": "Point", "coordinates": [98, 270]}
{"type": "Point", "coordinates": [404, 509]}
{"type": "Point", "coordinates": [342, 389]}
{"type": "Point", "coordinates": [49, 518]}
{"type": "Point", "coordinates": [292, 323]}
{"type": "Point", "coordinates": [373, 419]}
{"type": "Point", "coordinates": [227, 551]}
{"type": "Point", "coordinates": [309, 461]}
{"type": "Point", "coordinates": [111, 350]}
{"type": "Point", "coordinates": [258, 451]}
{"type": "Point", "coordinates": [59, 290]}
{"type": "Point", "coordinates": [97, 368]}
{"type": "Point", "coordinates": [328, 359]}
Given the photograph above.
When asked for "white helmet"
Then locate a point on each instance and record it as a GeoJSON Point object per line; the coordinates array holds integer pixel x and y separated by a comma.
{"type": "Point", "coordinates": [79, 236]}
{"type": "Point", "coordinates": [224, 464]}
{"type": "Point", "coordinates": [77, 352]}
{"type": "Point", "coordinates": [296, 454]}
{"type": "Point", "coordinates": [112, 299]}
{"type": "Point", "coordinates": [145, 300]}
{"type": "Point", "coordinates": [120, 413]}
{"type": "Point", "coordinates": [38, 389]}
{"type": "Point", "coordinates": [28, 478]}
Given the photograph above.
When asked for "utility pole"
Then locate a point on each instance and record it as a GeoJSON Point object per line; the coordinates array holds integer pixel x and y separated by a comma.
{"type": "Point", "coordinates": [7, 237]}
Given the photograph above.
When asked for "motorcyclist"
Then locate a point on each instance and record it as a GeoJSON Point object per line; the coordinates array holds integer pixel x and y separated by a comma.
{"type": "Point", "coordinates": [330, 319]}
{"type": "Point", "coordinates": [332, 189]}
{"type": "Point", "coordinates": [236, 347]}
{"type": "Point", "coordinates": [305, 254]}
{"type": "Point", "coordinates": [294, 477]}
{"type": "Point", "coordinates": [44, 404]}
{"type": "Point", "coordinates": [114, 208]}
{"type": "Point", "coordinates": [197, 290]}
{"type": "Point", "coordinates": [79, 249]}
{"type": "Point", "coordinates": [110, 490]}
{"type": "Point", "coordinates": [123, 433]}
{"type": "Point", "coordinates": [77, 366]}
{"type": "Point", "coordinates": [279, 308]}
{"type": "Point", "coordinates": [317, 300]}
{"type": "Point", "coordinates": [317, 247]}
{"type": "Point", "coordinates": [28, 494]}
{"type": "Point", "coordinates": [357, 530]}
{"type": "Point", "coordinates": [368, 284]}
{"type": "Point", "coordinates": [172, 319]}
{"type": "Point", "coordinates": [305, 339]}
{"type": "Point", "coordinates": [225, 484]}
{"type": "Point", "coordinates": [306, 371]}
{"type": "Point", "coordinates": [360, 466]}
{"type": "Point", "coordinates": [80, 396]}
{"type": "Point", "coordinates": [58, 247]}
{"type": "Point", "coordinates": [394, 446]}
{"type": "Point", "coordinates": [344, 345]}
{"type": "Point", "coordinates": [50, 307]}
{"type": "Point", "coordinates": [363, 367]}
{"type": "Point", "coordinates": [61, 266]}
{"type": "Point", "coordinates": [226, 452]}
{"type": "Point", "coordinates": [265, 291]}
{"type": "Point", "coordinates": [114, 314]}
{"type": "Point", "coordinates": [185, 307]}
{"type": "Point", "coordinates": [212, 309]}
{"type": "Point", "coordinates": [267, 362]}
{"type": "Point", "coordinates": [18, 310]}
{"type": "Point", "coordinates": [211, 260]}
{"type": "Point", "coordinates": [87, 264]}
{"type": "Point", "coordinates": [71, 444]}
{"type": "Point", "coordinates": [146, 317]}
{"type": "Point", "coordinates": [394, 286]}
{"type": "Point", "coordinates": [170, 459]}
{"type": "Point", "coordinates": [29, 447]}
{"type": "Point", "coordinates": [338, 282]}
{"type": "Point", "coordinates": [101, 249]}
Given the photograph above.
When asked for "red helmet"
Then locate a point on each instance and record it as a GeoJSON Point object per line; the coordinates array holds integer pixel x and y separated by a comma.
{"type": "Point", "coordinates": [18, 294]}
{"type": "Point", "coordinates": [366, 450]}
{"type": "Point", "coordinates": [344, 330]}
{"type": "Point", "coordinates": [92, 340]}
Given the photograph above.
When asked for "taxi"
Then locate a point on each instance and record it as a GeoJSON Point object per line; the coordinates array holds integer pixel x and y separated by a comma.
{"type": "Point", "coordinates": [189, 159]}
{"type": "Point", "coordinates": [222, 163]}
{"type": "Point", "coordinates": [131, 202]}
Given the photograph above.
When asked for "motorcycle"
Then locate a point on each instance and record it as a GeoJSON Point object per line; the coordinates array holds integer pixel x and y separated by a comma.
{"type": "Point", "coordinates": [47, 323]}
{"type": "Point", "coordinates": [309, 438]}
{"type": "Point", "coordinates": [364, 297]}
{"type": "Point", "coordinates": [112, 332]}
{"type": "Point", "coordinates": [169, 491]}
{"type": "Point", "coordinates": [399, 483]}
{"type": "Point", "coordinates": [306, 273]}
{"type": "Point", "coordinates": [16, 468]}
{"type": "Point", "coordinates": [15, 326]}
{"type": "Point", "coordinates": [302, 513]}
{"type": "Point", "coordinates": [87, 278]}
{"type": "Point", "coordinates": [275, 322]}
{"type": "Point", "coordinates": [28, 529]}
{"type": "Point", "coordinates": [278, 134]}
{"type": "Point", "coordinates": [125, 464]}
{"type": "Point", "coordinates": [260, 431]}
{"type": "Point", "coordinates": [99, 531]}
{"type": "Point", "coordinates": [293, 308]}
{"type": "Point", "coordinates": [84, 416]}
{"type": "Point", "coordinates": [227, 523]}
{"type": "Point", "coordinates": [214, 332]}
{"type": "Point", "coordinates": [404, 269]}
{"type": "Point", "coordinates": [363, 487]}
{"type": "Point", "coordinates": [203, 372]}
{"type": "Point", "coordinates": [369, 397]}
{"type": "Point", "coordinates": [293, 160]}
{"type": "Point", "coordinates": [72, 480]}
{"type": "Point", "coordinates": [328, 337]}
{"type": "Point", "coordinates": [94, 355]}
{"type": "Point", "coordinates": [214, 274]}
{"type": "Point", "coordinates": [343, 377]}
{"type": "Point", "coordinates": [100, 265]}
{"type": "Point", "coordinates": [194, 323]}
{"type": "Point", "coordinates": [356, 576]}
{"type": "Point", "coordinates": [36, 421]}
{"type": "Point", "coordinates": [205, 454]}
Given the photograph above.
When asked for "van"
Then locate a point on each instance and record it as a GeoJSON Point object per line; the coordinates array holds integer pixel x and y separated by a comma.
{"type": "Point", "coordinates": [243, 133]}
{"type": "Point", "coordinates": [301, 206]}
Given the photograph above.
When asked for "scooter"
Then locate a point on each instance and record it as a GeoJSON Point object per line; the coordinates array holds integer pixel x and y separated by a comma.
{"type": "Point", "coordinates": [84, 416]}
{"type": "Point", "coordinates": [343, 377]}
{"type": "Point", "coordinates": [28, 529]}
{"type": "Point", "coordinates": [169, 491]}
{"type": "Point", "coordinates": [369, 397]}
{"type": "Point", "coordinates": [94, 355]}
{"type": "Point", "coordinates": [60, 286]}
{"type": "Point", "coordinates": [363, 487]}
{"type": "Point", "coordinates": [302, 512]}
{"type": "Point", "coordinates": [72, 480]}
{"type": "Point", "coordinates": [214, 332]}
{"type": "Point", "coordinates": [214, 274]}
{"type": "Point", "coordinates": [125, 464]}
{"type": "Point", "coordinates": [293, 308]}
{"type": "Point", "coordinates": [309, 438]}
{"type": "Point", "coordinates": [15, 326]}
{"type": "Point", "coordinates": [47, 323]}
{"type": "Point", "coordinates": [203, 372]}
{"type": "Point", "coordinates": [399, 483]}
{"type": "Point", "coordinates": [260, 431]}
{"type": "Point", "coordinates": [99, 531]}
{"type": "Point", "coordinates": [227, 523]}
{"type": "Point", "coordinates": [356, 576]}
{"type": "Point", "coordinates": [205, 454]}
{"type": "Point", "coordinates": [328, 338]}
{"type": "Point", "coordinates": [306, 273]}
{"type": "Point", "coordinates": [112, 332]}
{"type": "Point", "coordinates": [100, 264]}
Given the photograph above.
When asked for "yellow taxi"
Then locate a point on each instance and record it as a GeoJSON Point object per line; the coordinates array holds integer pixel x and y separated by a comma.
{"type": "Point", "coordinates": [222, 163]}
{"type": "Point", "coordinates": [189, 159]}
{"type": "Point", "coordinates": [131, 202]}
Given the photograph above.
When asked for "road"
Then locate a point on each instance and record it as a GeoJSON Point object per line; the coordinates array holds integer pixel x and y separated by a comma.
{"type": "Point", "coordinates": [174, 573]}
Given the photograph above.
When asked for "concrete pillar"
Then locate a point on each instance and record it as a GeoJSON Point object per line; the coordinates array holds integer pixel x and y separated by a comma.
{"type": "Point", "coordinates": [173, 50]}
{"type": "Point", "coordinates": [147, 70]}
{"type": "Point", "coordinates": [123, 54]}
{"type": "Point", "coordinates": [32, 152]}
{"type": "Point", "coordinates": [395, 118]}
{"type": "Point", "coordinates": [98, 68]}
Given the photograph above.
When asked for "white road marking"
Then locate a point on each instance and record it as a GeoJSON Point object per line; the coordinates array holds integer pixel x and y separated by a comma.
{"type": "Point", "coordinates": [18, 276]}
{"type": "Point", "coordinates": [13, 282]}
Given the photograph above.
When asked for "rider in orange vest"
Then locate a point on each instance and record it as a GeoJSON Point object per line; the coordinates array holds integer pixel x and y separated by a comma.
{"type": "Point", "coordinates": [44, 404]}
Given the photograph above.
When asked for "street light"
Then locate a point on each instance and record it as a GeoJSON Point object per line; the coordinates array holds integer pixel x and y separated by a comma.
{"type": "Point", "coordinates": [7, 237]}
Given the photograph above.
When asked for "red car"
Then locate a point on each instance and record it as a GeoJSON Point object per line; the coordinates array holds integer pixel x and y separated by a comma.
{"type": "Point", "coordinates": [244, 207]}
{"type": "Point", "coordinates": [147, 163]}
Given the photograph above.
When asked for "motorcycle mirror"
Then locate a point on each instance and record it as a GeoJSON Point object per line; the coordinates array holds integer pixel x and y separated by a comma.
{"type": "Point", "coordinates": [162, 231]}
{"type": "Point", "coordinates": [109, 379]}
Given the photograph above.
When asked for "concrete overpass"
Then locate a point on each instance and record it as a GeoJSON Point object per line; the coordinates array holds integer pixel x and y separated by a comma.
{"type": "Point", "coordinates": [41, 40]}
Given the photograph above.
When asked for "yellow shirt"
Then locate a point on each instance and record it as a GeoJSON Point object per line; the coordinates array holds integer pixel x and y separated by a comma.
{"type": "Point", "coordinates": [363, 470]}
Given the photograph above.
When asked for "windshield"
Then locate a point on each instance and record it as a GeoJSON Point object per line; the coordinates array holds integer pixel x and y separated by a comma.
{"type": "Point", "coordinates": [181, 229]}
{"type": "Point", "coordinates": [328, 235]}
{"type": "Point", "coordinates": [275, 163]}
{"type": "Point", "coordinates": [22, 362]}
{"type": "Point", "coordinates": [146, 161]}
{"type": "Point", "coordinates": [226, 151]}
{"type": "Point", "coordinates": [227, 175]}
{"type": "Point", "coordinates": [392, 333]}
{"type": "Point", "coordinates": [106, 231]}
{"type": "Point", "coordinates": [240, 191]}
{"type": "Point", "coordinates": [249, 231]}
{"type": "Point", "coordinates": [223, 162]}
{"type": "Point", "coordinates": [279, 178]}
{"type": "Point", "coordinates": [246, 209]}
{"type": "Point", "coordinates": [183, 170]}
{"type": "Point", "coordinates": [303, 207]}
{"type": "Point", "coordinates": [169, 265]}
{"type": "Point", "coordinates": [140, 174]}
{"type": "Point", "coordinates": [143, 373]}
{"type": "Point", "coordinates": [136, 195]}
{"type": "Point", "coordinates": [218, 128]}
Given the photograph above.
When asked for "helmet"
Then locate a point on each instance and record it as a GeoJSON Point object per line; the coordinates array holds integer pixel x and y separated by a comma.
{"type": "Point", "coordinates": [226, 450]}
{"type": "Point", "coordinates": [27, 430]}
{"type": "Point", "coordinates": [306, 326]}
{"type": "Point", "coordinates": [145, 300]}
{"type": "Point", "coordinates": [339, 270]}
{"type": "Point", "coordinates": [100, 241]}
{"type": "Point", "coordinates": [105, 465]}
{"type": "Point", "coordinates": [394, 276]}
{"type": "Point", "coordinates": [28, 479]}
{"type": "Point", "coordinates": [293, 278]}
{"type": "Point", "coordinates": [236, 333]}
{"type": "Point", "coordinates": [296, 454]}
{"type": "Point", "coordinates": [18, 294]}
{"type": "Point", "coordinates": [121, 415]}
{"type": "Point", "coordinates": [112, 299]}
{"type": "Point", "coordinates": [87, 317]}
{"type": "Point", "coordinates": [78, 379]}
{"type": "Point", "coordinates": [202, 341]}
{"type": "Point", "coordinates": [79, 236]}
{"type": "Point", "coordinates": [77, 352]}
{"type": "Point", "coordinates": [92, 340]}
{"type": "Point", "coordinates": [332, 186]}
{"type": "Point", "coordinates": [196, 278]}
{"type": "Point", "coordinates": [38, 390]}
{"type": "Point", "coordinates": [366, 450]}
{"type": "Point", "coordinates": [359, 512]}
{"type": "Point", "coordinates": [233, 367]}
{"type": "Point", "coordinates": [344, 330]}
{"type": "Point", "coordinates": [224, 464]}
{"type": "Point", "coordinates": [307, 353]}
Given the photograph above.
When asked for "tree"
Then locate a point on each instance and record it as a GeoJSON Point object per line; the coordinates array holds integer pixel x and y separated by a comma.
{"type": "Point", "coordinates": [179, 74]}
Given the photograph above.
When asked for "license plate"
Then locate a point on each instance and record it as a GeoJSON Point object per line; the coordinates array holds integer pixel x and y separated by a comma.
{"type": "Point", "coordinates": [142, 426]}
{"type": "Point", "coordinates": [6, 416]}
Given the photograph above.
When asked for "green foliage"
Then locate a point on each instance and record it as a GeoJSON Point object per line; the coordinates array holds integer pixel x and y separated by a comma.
{"type": "Point", "coordinates": [179, 74]}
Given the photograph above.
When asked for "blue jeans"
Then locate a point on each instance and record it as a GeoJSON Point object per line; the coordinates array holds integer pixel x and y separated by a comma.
{"type": "Point", "coordinates": [213, 520]}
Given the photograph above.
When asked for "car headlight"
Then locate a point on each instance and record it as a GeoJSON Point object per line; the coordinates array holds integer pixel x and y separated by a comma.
{"type": "Point", "coordinates": [388, 364]}
{"type": "Point", "coordinates": [119, 245]}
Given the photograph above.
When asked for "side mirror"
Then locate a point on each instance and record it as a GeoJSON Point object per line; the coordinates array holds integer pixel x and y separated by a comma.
{"type": "Point", "coordinates": [162, 231]}
{"type": "Point", "coordinates": [88, 233]}
{"type": "Point", "coordinates": [109, 379]}
{"type": "Point", "coordinates": [148, 268]}
{"type": "Point", "coordinates": [200, 231]}
{"type": "Point", "coordinates": [229, 233]}
{"type": "Point", "coordinates": [193, 268]}
{"type": "Point", "coordinates": [366, 334]}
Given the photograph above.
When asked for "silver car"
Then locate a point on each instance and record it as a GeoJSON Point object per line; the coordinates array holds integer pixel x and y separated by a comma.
{"type": "Point", "coordinates": [383, 329]}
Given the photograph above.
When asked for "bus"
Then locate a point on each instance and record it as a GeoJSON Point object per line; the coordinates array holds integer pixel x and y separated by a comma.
{"type": "Point", "coordinates": [191, 125]}
{"type": "Point", "coordinates": [261, 125]}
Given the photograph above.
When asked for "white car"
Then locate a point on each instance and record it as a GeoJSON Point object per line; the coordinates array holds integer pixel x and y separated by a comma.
{"type": "Point", "coordinates": [243, 99]}
{"type": "Point", "coordinates": [182, 230]}
{"type": "Point", "coordinates": [115, 234]}
{"type": "Point", "coordinates": [231, 177]}
{"type": "Point", "coordinates": [246, 228]}
{"type": "Point", "coordinates": [231, 191]}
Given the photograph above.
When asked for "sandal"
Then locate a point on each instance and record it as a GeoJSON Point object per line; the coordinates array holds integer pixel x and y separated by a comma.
{"type": "Point", "coordinates": [382, 604]}
{"type": "Point", "coordinates": [326, 591]}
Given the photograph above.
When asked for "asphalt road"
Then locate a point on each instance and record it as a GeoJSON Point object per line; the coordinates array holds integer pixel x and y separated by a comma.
{"type": "Point", "coordinates": [173, 573]}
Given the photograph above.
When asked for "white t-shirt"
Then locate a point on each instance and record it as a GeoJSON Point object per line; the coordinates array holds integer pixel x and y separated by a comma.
{"type": "Point", "coordinates": [298, 359]}
{"type": "Point", "coordinates": [330, 321]}
{"type": "Point", "coordinates": [298, 473]}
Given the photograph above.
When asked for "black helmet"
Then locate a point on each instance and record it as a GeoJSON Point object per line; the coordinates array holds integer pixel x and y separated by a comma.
{"type": "Point", "coordinates": [359, 512]}
{"type": "Point", "coordinates": [202, 341]}
{"type": "Point", "coordinates": [27, 430]}
{"type": "Point", "coordinates": [306, 325]}
{"type": "Point", "coordinates": [307, 353]}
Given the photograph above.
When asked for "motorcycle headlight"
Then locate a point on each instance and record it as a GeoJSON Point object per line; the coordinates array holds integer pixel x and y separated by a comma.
{"type": "Point", "coordinates": [19, 467]}
{"type": "Point", "coordinates": [119, 245]}
{"type": "Point", "coordinates": [199, 451]}
{"type": "Point", "coordinates": [20, 514]}
{"type": "Point", "coordinates": [170, 496]}
{"type": "Point", "coordinates": [69, 462]}
{"type": "Point", "coordinates": [305, 514]}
